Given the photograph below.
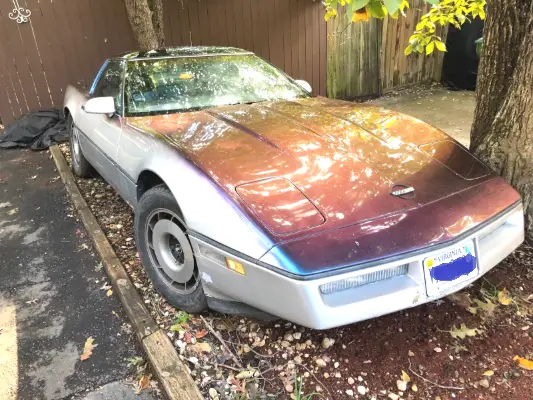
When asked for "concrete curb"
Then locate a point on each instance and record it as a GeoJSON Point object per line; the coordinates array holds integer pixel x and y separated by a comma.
{"type": "Point", "coordinates": [173, 375]}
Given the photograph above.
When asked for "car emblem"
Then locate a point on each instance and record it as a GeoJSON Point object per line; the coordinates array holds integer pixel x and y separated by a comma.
{"type": "Point", "coordinates": [403, 192]}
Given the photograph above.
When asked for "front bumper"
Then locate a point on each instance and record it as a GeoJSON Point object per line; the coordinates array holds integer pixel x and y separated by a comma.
{"type": "Point", "coordinates": [302, 302]}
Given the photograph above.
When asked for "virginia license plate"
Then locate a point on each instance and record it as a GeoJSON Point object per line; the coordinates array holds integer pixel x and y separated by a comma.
{"type": "Point", "coordinates": [449, 268]}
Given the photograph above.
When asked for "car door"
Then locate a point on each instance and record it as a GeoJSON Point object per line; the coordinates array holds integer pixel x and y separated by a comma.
{"type": "Point", "coordinates": [100, 133]}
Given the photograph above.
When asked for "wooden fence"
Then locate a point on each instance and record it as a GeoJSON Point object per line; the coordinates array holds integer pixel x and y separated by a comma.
{"type": "Point", "coordinates": [291, 34]}
{"type": "Point", "coordinates": [65, 41]}
{"type": "Point", "coordinates": [367, 59]}
{"type": "Point", "coordinates": [62, 42]}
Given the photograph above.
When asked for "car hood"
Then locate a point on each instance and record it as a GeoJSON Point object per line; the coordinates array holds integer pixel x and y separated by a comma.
{"type": "Point", "coordinates": [311, 165]}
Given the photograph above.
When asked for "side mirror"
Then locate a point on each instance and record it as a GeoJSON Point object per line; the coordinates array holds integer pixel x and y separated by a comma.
{"type": "Point", "coordinates": [306, 86]}
{"type": "Point", "coordinates": [100, 105]}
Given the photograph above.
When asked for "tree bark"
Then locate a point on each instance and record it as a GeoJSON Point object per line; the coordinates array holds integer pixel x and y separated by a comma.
{"type": "Point", "coordinates": [502, 133]}
{"type": "Point", "coordinates": [142, 23]}
{"type": "Point", "coordinates": [156, 6]}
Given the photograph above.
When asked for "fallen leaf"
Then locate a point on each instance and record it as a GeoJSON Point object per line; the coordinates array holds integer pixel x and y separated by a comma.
{"type": "Point", "coordinates": [88, 348]}
{"type": "Point", "coordinates": [199, 348]}
{"type": "Point", "coordinates": [524, 363]}
{"type": "Point", "coordinates": [488, 307]}
{"type": "Point", "coordinates": [188, 337]}
{"type": "Point", "coordinates": [5, 205]}
{"type": "Point", "coordinates": [109, 293]}
{"type": "Point", "coordinates": [176, 328]}
{"type": "Point", "coordinates": [458, 348]}
{"type": "Point", "coordinates": [488, 373]}
{"type": "Point", "coordinates": [201, 334]}
{"type": "Point", "coordinates": [249, 373]}
{"type": "Point", "coordinates": [144, 383]}
{"type": "Point", "coordinates": [463, 331]}
{"type": "Point", "coordinates": [414, 388]}
{"type": "Point", "coordinates": [405, 377]}
{"type": "Point", "coordinates": [503, 297]}
{"type": "Point", "coordinates": [13, 211]}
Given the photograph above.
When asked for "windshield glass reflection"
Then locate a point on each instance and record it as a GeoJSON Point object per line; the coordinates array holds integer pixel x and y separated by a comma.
{"type": "Point", "coordinates": [159, 86]}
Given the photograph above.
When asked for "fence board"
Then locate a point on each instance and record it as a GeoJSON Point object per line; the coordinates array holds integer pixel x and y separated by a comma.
{"type": "Point", "coordinates": [63, 42]}
{"type": "Point", "coordinates": [398, 69]}
{"type": "Point", "coordinates": [353, 58]}
{"type": "Point", "coordinates": [7, 98]}
{"type": "Point", "coordinates": [44, 50]}
{"type": "Point", "coordinates": [16, 105]}
{"type": "Point", "coordinates": [367, 58]}
{"type": "Point", "coordinates": [24, 83]}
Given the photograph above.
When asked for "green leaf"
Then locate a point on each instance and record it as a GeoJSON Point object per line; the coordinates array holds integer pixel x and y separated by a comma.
{"type": "Point", "coordinates": [429, 48]}
{"type": "Point", "coordinates": [355, 5]}
{"type": "Point", "coordinates": [408, 50]}
{"type": "Point", "coordinates": [392, 5]}
{"type": "Point", "coordinates": [176, 328]}
{"type": "Point", "coordinates": [440, 46]}
{"type": "Point", "coordinates": [376, 9]}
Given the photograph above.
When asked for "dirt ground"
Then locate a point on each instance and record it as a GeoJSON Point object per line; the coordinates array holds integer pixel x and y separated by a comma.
{"type": "Point", "coordinates": [456, 348]}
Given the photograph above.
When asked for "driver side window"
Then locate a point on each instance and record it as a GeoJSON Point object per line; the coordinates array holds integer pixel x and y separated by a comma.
{"type": "Point", "coordinates": [110, 83]}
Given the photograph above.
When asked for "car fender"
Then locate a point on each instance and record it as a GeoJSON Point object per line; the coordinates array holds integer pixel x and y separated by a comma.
{"type": "Point", "coordinates": [207, 209]}
{"type": "Point", "coordinates": [74, 99]}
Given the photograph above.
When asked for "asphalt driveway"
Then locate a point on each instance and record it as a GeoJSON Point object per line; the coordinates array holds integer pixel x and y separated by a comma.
{"type": "Point", "coordinates": [51, 293]}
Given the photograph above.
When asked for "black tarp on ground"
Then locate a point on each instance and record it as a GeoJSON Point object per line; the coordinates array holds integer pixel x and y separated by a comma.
{"type": "Point", "coordinates": [36, 130]}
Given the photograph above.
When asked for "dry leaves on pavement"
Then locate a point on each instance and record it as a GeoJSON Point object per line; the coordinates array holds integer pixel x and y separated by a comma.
{"type": "Point", "coordinates": [88, 348]}
{"type": "Point", "coordinates": [144, 383]}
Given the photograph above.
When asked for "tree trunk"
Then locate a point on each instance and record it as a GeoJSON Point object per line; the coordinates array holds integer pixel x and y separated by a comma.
{"type": "Point", "coordinates": [502, 133]}
{"type": "Point", "coordinates": [142, 23]}
{"type": "Point", "coordinates": [156, 6]}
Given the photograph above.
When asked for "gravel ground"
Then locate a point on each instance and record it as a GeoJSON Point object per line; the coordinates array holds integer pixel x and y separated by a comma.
{"type": "Point", "coordinates": [462, 347]}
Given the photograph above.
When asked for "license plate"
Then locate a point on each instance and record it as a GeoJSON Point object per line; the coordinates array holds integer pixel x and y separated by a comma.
{"type": "Point", "coordinates": [449, 268]}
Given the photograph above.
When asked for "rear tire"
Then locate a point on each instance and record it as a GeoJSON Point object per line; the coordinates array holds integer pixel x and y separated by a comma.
{"type": "Point", "coordinates": [166, 252]}
{"type": "Point", "coordinates": [80, 165]}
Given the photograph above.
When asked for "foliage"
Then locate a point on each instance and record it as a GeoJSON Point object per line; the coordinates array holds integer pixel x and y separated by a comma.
{"type": "Point", "coordinates": [425, 38]}
{"type": "Point", "coordinates": [181, 318]}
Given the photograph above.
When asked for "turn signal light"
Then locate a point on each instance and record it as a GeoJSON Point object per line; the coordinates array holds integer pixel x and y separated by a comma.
{"type": "Point", "coordinates": [235, 266]}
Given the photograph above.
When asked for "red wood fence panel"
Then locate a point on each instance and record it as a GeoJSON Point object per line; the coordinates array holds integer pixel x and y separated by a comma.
{"type": "Point", "coordinates": [291, 34]}
{"type": "Point", "coordinates": [62, 42]}
{"type": "Point", "coordinates": [65, 41]}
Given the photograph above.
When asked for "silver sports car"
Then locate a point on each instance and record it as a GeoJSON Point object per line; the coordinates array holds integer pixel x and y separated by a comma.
{"type": "Point", "coordinates": [252, 196]}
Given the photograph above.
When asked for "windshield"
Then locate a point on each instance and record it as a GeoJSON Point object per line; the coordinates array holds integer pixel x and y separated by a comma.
{"type": "Point", "coordinates": [192, 83]}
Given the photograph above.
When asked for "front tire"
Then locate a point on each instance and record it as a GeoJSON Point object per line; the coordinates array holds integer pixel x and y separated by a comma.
{"type": "Point", "coordinates": [166, 252]}
{"type": "Point", "coordinates": [80, 165]}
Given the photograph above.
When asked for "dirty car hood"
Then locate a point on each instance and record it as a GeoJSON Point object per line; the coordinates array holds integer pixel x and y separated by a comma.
{"type": "Point", "coordinates": [312, 165]}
